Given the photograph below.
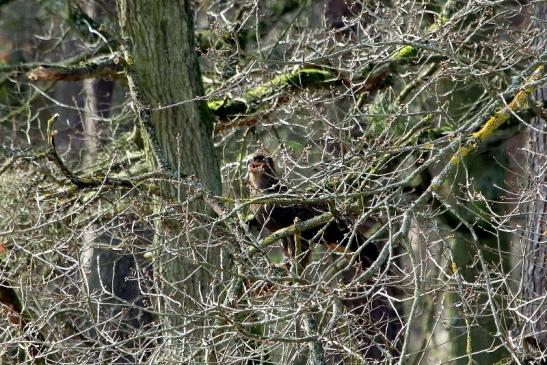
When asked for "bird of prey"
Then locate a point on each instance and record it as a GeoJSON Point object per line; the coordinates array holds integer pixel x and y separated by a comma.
{"type": "Point", "coordinates": [377, 325]}
{"type": "Point", "coordinates": [337, 234]}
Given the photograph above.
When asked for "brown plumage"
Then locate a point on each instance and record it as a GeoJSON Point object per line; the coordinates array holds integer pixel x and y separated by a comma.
{"type": "Point", "coordinates": [377, 324]}
{"type": "Point", "coordinates": [337, 234]}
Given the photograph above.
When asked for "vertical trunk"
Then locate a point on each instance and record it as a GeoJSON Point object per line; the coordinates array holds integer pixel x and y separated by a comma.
{"type": "Point", "coordinates": [166, 72]}
{"type": "Point", "coordinates": [118, 281]}
{"type": "Point", "coordinates": [160, 35]}
{"type": "Point", "coordinates": [535, 254]}
{"type": "Point", "coordinates": [89, 123]}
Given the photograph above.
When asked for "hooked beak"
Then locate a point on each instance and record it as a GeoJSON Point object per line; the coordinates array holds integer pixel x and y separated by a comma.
{"type": "Point", "coordinates": [255, 167]}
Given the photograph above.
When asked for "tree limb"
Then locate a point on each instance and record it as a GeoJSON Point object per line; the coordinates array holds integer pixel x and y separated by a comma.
{"type": "Point", "coordinates": [109, 67]}
{"type": "Point", "coordinates": [80, 182]}
{"type": "Point", "coordinates": [300, 78]}
{"type": "Point", "coordinates": [536, 71]}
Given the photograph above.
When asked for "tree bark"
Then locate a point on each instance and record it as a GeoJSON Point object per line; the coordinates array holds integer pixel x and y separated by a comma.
{"type": "Point", "coordinates": [535, 247]}
{"type": "Point", "coordinates": [160, 35]}
{"type": "Point", "coordinates": [166, 72]}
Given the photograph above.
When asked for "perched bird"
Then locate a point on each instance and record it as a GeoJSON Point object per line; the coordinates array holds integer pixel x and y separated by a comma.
{"type": "Point", "coordinates": [377, 323]}
{"type": "Point", "coordinates": [337, 235]}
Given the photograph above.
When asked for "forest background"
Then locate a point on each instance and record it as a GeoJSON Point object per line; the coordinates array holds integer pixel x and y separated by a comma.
{"type": "Point", "coordinates": [125, 231]}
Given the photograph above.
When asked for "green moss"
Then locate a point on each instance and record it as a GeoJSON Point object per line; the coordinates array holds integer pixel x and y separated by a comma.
{"type": "Point", "coordinates": [223, 108]}
{"type": "Point", "coordinates": [215, 104]}
{"type": "Point", "coordinates": [300, 78]}
{"type": "Point", "coordinates": [404, 53]}
{"type": "Point", "coordinates": [308, 76]}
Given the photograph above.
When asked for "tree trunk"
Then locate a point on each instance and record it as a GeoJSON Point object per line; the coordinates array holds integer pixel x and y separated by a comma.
{"type": "Point", "coordinates": [166, 72]}
{"type": "Point", "coordinates": [535, 247]}
{"type": "Point", "coordinates": [160, 35]}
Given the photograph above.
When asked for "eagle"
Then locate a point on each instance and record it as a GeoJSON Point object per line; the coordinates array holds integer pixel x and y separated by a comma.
{"type": "Point", "coordinates": [377, 324]}
{"type": "Point", "coordinates": [337, 235]}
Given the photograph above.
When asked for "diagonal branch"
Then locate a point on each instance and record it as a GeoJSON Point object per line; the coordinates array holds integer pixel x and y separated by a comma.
{"type": "Point", "coordinates": [109, 67]}
{"type": "Point", "coordinates": [299, 79]}
{"type": "Point", "coordinates": [471, 144]}
{"type": "Point", "coordinates": [371, 79]}
{"type": "Point", "coordinates": [80, 182]}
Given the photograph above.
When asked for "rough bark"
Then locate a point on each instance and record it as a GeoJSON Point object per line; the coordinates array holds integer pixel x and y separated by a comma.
{"type": "Point", "coordinates": [160, 36]}
{"type": "Point", "coordinates": [159, 40]}
{"type": "Point", "coordinates": [535, 247]}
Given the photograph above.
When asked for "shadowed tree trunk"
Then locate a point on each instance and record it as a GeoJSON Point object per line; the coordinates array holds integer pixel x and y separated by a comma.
{"type": "Point", "coordinates": [160, 36]}
{"type": "Point", "coordinates": [119, 281]}
{"type": "Point", "coordinates": [535, 247]}
{"type": "Point", "coordinates": [160, 43]}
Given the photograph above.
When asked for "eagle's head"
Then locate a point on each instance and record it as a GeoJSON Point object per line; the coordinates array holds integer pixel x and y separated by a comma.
{"type": "Point", "coordinates": [261, 169]}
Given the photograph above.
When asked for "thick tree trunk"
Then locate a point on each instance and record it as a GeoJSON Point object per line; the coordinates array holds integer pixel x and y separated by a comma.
{"type": "Point", "coordinates": [166, 72]}
{"type": "Point", "coordinates": [535, 255]}
{"type": "Point", "coordinates": [535, 247]}
{"type": "Point", "coordinates": [160, 35]}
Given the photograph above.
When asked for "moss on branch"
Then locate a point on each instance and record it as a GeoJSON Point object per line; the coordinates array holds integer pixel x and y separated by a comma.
{"type": "Point", "coordinates": [501, 116]}
{"type": "Point", "coordinates": [301, 78]}
{"type": "Point", "coordinates": [404, 53]}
